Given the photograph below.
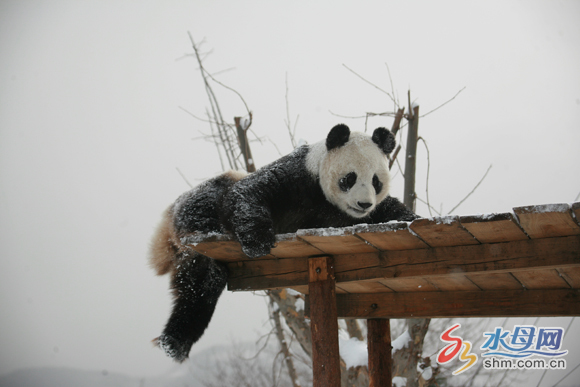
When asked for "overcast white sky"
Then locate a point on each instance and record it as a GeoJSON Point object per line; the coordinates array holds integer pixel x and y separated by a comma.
{"type": "Point", "coordinates": [91, 134]}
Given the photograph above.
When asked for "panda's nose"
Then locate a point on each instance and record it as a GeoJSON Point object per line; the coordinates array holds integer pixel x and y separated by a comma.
{"type": "Point", "coordinates": [364, 205]}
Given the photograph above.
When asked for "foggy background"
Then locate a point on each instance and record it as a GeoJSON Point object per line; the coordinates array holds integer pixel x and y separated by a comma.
{"type": "Point", "coordinates": [91, 134]}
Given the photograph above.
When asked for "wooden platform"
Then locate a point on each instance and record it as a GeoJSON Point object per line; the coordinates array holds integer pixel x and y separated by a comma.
{"type": "Point", "coordinates": [525, 263]}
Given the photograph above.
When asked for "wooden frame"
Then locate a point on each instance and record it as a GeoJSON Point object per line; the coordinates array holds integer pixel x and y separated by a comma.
{"type": "Point", "coordinates": [521, 264]}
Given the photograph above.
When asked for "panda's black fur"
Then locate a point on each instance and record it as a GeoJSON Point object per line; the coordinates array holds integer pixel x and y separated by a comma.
{"type": "Point", "coordinates": [281, 197]}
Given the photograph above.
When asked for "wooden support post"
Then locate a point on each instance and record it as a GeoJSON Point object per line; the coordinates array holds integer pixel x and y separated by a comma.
{"type": "Point", "coordinates": [323, 322]}
{"type": "Point", "coordinates": [380, 357]}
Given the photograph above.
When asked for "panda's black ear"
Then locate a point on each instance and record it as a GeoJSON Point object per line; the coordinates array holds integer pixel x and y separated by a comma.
{"type": "Point", "coordinates": [337, 137]}
{"type": "Point", "coordinates": [384, 139]}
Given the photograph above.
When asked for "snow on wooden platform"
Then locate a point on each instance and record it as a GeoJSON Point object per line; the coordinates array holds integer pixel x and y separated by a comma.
{"type": "Point", "coordinates": [525, 263]}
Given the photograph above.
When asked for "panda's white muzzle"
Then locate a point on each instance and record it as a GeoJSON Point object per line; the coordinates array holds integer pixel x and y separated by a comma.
{"type": "Point", "coordinates": [360, 201]}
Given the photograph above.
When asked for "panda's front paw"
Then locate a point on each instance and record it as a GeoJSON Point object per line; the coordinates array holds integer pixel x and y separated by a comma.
{"type": "Point", "coordinates": [256, 245]}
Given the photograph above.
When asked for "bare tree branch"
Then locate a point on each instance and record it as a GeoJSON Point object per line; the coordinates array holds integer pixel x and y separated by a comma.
{"type": "Point", "coordinates": [184, 178]}
{"type": "Point", "coordinates": [444, 103]}
{"type": "Point", "coordinates": [395, 102]}
{"type": "Point", "coordinates": [472, 191]}
{"type": "Point", "coordinates": [216, 111]}
{"type": "Point", "coordinates": [430, 206]}
{"type": "Point", "coordinates": [428, 170]}
{"type": "Point", "coordinates": [394, 157]}
{"type": "Point", "coordinates": [288, 122]}
{"type": "Point", "coordinates": [372, 84]}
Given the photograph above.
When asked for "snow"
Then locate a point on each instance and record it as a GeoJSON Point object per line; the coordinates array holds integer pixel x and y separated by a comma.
{"type": "Point", "coordinates": [331, 231]}
{"type": "Point", "coordinates": [445, 219]}
{"type": "Point", "coordinates": [354, 352]}
{"type": "Point", "coordinates": [245, 123]}
{"type": "Point", "coordinates": [292, 292]}
{"type": "Point", "coordinates": [196, 238]}
{"type": "Point", "coordinates": [559, 207]}
{"type": "Point", "coordinates": [401, 342]}
{"type": "Point", "coordinates": [393, 225]}
{"type": "Point", "coordinates": [427, 373]}
{"type": "Point", "coordinates": [299, 304]}
{"type": "Point", "coordinates": [399, 381]}
{"type": "Point", "coordinates": [301, 142]}
{"type": "Point", "coordinates": [488, 216]}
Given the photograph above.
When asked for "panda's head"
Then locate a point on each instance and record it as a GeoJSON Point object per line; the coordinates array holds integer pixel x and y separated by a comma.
{"type": "Point", "coordinates": [352, 168]}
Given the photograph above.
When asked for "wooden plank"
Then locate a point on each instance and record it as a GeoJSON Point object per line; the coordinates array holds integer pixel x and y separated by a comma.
{"type": "Point", "coordinates": [561, 252]}
{"type": "Point", "coordinates": [390, 236]}
{"type": "Point", "coordinates": [497, 257]}
{"type": "Point", "coordinates": [353, 262]}
{"type": "Point", "coordinates": [268, 267]}
{"type": "Point", "coordinates": [453, 282]}
{"type": "Point", "coordinates": [493, 228]}
{"type": "Point", "coordinates": [368, 286]}
{"type": "Point", "coordinates": [323, 323]}
{"type": "Point", "coordinates": [571, 276]}
{"type": "Point", "coordinates": [495, 281]}
{"type": "Point", "coordinates": [340, 290]}
{"type": "Point", "coordinates": [289, 246]}
{"type": "Point", "coordinates": [286, 280]}
{"type": "Point", "coordinates": [335, 241]}
{"type": "Point", "coordinates": [379, 349]}
{"type": "Point", "coordinates": [541, 279]}
{"type": "Point", "coordinates": [547, 221]}
{"type": "Point", "coordinates": [402, 285]}
{"type": "Point", "coordinates": [493, 303]}
{"type": "Point", "coordinates": [300, 289]}
{"type": "Point", "coordinates": [226, 251]}
{"type": "Point", "coordinates": [438, 232]}
{"type": "Point", "coordinates": [576, 211]}
{"type": "Point", "coordinates": [217, 246]}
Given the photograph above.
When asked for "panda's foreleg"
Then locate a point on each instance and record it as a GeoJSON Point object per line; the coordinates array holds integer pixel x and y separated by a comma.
{"type": "Point", "coordinates": [197, 284]}
{"type": "Point", "coordinates": [392, 209]}
{"type": "Point", "coordinates": [253, 227]}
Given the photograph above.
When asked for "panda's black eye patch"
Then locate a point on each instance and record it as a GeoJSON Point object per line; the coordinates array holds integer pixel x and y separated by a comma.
{"type": "Point", "coordinates": [377, 184]}
{"type": "Point", "coordinates": [347, 182]}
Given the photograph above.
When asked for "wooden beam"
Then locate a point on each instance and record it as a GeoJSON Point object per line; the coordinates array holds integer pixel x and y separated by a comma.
{"type": "Point", "coordinates": [546, 253]}
{"type": "Point", "coordinates": [493, 303]}
{"type": "Point", "coordinates": [380, 355]}
{"type": "Point", "coordinates": [323, 323]}
{"type": "Point", "coordinates": [493, 228]}
{"type": "Point", "coordinates": [546, 221]}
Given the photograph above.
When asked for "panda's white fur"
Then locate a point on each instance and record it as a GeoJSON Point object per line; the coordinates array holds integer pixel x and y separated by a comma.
{"type": "Point", "coordinates": [339, 182]}
{"type": "Point", "coordinates": [360, 155]}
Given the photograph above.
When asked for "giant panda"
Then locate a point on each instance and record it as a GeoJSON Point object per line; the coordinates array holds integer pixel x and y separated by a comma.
{"type": "Point", "coordinates": [337, 182]}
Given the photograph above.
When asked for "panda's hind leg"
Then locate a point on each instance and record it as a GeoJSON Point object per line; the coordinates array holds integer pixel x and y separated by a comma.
{"type": "Point", "coordinates": [197, 283]}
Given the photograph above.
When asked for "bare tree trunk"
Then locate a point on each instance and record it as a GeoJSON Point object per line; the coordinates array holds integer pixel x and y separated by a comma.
{"type": "Point", "coordinates": [411, 159]}
{"type": "Point", "coordinates": [406, 359]}
{"type": "Point", "coordinates": [353, 328]}
{"type": "Point", "coordinates": [244, 144]}
{"type": "Point", "coordinates": [284, 346]}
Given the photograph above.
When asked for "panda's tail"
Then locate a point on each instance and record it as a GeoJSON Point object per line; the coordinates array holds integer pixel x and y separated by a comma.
{"type": "Point", "coordinates": [164, 247]}
{"type": "Point", "coordinates": [197, 283]}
